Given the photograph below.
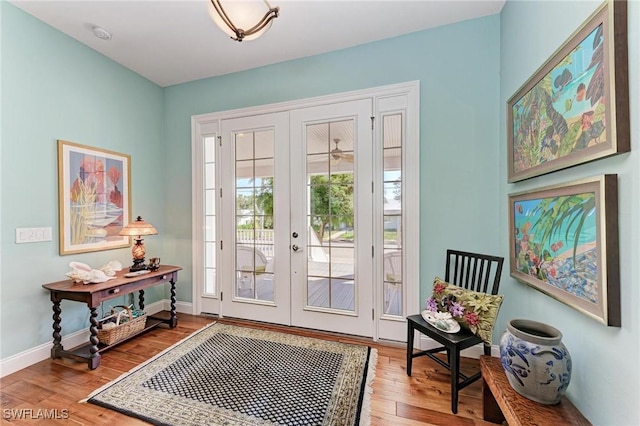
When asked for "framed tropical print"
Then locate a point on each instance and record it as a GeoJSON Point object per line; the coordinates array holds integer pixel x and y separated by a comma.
{"type": "Point", "coordinates": [563, 242]}
{"type": "Point", "coordinates": [575, 108]}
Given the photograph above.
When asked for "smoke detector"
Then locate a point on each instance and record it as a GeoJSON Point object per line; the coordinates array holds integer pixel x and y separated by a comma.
{"type": "Point", "coordinates": [101, 33]}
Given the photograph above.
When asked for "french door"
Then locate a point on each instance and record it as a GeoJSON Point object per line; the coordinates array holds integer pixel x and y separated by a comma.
{"type": "Point", "coordinates": [331, 217]}
{"type": "Point", "coordinates": [255, 217]}
{"type": "Point", "coordinates": [307, 213]}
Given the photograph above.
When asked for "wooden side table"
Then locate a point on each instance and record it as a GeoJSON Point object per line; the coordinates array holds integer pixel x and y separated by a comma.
{"type": "Point", "coordinates": [94, 294]}
{"type": "Point", "coordinates": [501, 402]}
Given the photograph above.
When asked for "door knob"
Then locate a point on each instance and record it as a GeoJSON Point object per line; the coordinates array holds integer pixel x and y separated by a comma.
{"type": "Point", "coordinates": [295, 248]}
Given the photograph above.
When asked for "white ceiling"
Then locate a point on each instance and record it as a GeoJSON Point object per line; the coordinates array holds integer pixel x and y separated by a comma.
{"type": "Point", "coordinates": [175, 41]}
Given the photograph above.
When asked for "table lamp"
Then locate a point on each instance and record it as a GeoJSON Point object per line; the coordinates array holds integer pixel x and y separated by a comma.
{"type": "Point", "coordinates": [136, 230]}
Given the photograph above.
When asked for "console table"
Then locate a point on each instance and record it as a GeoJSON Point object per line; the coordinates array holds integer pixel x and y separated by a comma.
{"type": "Point", "coordinates": [501, 402]}
{"type": "Point", "coordinates": [94, 294]}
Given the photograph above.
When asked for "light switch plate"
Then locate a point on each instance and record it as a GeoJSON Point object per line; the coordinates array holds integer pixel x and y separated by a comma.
{"type": "Point", "coordinates": [32, 235]}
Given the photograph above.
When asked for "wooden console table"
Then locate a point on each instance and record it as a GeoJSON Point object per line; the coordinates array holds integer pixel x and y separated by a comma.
{"type": "Point", "coordinates": [94, 294]}
{"type": "Point", "coordinates": [501, 402]}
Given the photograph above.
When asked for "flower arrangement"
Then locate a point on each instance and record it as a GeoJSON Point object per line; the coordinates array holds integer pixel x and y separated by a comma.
{"type": "Point", "coordinates": [442, 301]}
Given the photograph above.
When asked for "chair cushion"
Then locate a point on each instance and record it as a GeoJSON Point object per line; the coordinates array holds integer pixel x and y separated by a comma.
{"type": "Point", "coordinates": [474, 311]}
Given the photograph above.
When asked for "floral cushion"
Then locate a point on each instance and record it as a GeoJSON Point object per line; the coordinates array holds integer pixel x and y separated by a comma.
{"type": "Point", "coordinates": [474, 311]}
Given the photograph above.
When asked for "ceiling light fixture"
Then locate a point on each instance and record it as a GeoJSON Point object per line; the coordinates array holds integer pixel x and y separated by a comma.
{"type": "Point", "coordinates": [244, 14]}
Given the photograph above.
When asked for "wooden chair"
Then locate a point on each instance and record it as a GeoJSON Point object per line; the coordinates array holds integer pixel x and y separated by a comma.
{"type": "Point", "coordinates": [473, 271]}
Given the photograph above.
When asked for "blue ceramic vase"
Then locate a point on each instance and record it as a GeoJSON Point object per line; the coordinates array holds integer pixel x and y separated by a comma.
{"type": "Point", "coordinates": [536, 362]}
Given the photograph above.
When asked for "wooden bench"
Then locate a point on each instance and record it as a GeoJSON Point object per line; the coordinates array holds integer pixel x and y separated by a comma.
{"type": "Point", "coordinates": [501, 402]}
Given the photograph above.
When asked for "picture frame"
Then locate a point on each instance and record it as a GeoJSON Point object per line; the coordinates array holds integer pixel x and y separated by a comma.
{"type": "Point", "coordinates": [94, 198]}
{"type": "Point", "coordinates": [563, 241]}
{"type": "Point", "coordinates": [575, 108]}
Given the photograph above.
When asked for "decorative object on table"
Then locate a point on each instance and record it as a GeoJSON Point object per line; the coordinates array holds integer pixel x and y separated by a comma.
{"type": "Point", "coordinates": [122, 322]}
{"type": "Point", "coordinates": [137, 230]}
{"type": "Point", "coordinates": [475, 311]}
{"type": "Point", "coordinates": [154, 263]}
{"type": "Point", "coordinates": [94, 196]}
{"type": "Point", "coordinates": [111, 268]}
{"type": "Point", "coordinates": [564, 243]}
{"type": "Point", "coordinates": [335, 389]}
{"type": "Point", "coordinates": [441, 320]}
{"type": "Point", "coordinates": [243, 20]}
{"type": "Point", "coordinates": [81, 272]}
{"type": "Point", "coordinates": [575, 108]}
{"type": "Point", "coordinates": [536, 362]}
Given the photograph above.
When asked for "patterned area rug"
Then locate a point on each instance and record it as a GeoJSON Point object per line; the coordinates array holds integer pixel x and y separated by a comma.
{"type": "Point", "coordinates": [228, 375]}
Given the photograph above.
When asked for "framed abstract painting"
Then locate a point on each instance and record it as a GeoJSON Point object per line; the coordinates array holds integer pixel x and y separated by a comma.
{"type": "Point", "coordinates": [575, 108]}
{"type": "Point", "coordinates": [94, 195]}
{"type": "Point", "coordinates": [563, 241]}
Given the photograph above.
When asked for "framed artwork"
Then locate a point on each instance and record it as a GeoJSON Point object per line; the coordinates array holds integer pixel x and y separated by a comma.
{"type": "Point", "coordinates": [564, 242]}
{"type": "Point", "coordinates": [575, 108]}
{"type": "Point", "coordinates": [94, 195]}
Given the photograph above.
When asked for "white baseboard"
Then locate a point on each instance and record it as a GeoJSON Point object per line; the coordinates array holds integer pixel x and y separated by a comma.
{"type": "Point", "coordinates": [181, 307]}
{"type": "Point", "coordinates": [476, 351]}
{"type": "Point", "coordinates": [40, 353]}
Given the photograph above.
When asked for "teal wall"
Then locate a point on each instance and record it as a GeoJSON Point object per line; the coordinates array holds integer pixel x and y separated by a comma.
{"type": "Point", "coordinates": [458, 69]}
{"type": "Point", "coordinates": [605, 381]}
{"type": "Point", "coordinates": [56, 88]}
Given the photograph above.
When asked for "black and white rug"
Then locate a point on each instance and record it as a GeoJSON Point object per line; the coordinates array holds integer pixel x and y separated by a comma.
{"type": "Point", "coordinates": [228, 375]}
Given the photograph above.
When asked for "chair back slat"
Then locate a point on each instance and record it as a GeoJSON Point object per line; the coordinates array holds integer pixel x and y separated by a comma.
{"type": "Point", "coordinates": [474, 271]}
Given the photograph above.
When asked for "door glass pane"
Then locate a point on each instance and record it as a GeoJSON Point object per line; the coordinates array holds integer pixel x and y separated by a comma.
{"type": "Point", "coordinates": [210, 288]}
{"type": "Point", "coordinates": [254, 250]}
{"type": "Point", "coordinates": [330, 215]}
{"type": "Point", "coordinates": [392, 288]}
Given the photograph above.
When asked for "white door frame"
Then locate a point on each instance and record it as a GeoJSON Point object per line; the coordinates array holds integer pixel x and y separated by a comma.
{"type": "Point", "coordinates": [396, 327]}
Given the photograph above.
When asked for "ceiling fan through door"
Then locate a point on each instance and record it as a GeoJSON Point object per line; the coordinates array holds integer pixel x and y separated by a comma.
{"type": "Point", "coordinates": [338, 155]}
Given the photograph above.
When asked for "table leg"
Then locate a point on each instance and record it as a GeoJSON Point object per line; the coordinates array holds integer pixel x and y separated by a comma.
{"type": "Point", "coordinates": [410, 333]}
{"type": "Point", "coordinates": [94, 358]}
{"type": "Point", "coordinates": [490, 409]}
{"type": "Point", "coordinates": [141, 300]}
{"type": "Point", "coordinates": [57, 348]}
{"type": "Point", "coordinates": [174, 319]}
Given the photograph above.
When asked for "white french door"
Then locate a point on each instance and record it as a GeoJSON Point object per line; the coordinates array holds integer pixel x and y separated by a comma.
{"type": "Point", "coordinates": [331, 217]}
{"type": "Point", "coordinates": [307, 213]}
{"type": "Point", "coordinates": [255, 217]}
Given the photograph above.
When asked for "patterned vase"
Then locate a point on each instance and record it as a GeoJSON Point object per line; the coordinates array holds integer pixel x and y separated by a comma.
{"type": "Point", "coordinates": [536, 362]}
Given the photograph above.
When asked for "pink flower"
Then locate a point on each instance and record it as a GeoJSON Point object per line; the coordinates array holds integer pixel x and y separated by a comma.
{"type": "Point", "coordinates": [471, 318]}
{"type": "Point", "coordinates": [439, 288]}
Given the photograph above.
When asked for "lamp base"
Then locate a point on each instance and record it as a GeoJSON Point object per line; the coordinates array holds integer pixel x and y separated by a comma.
{"type": "Point", "coordinates": [138, 265]}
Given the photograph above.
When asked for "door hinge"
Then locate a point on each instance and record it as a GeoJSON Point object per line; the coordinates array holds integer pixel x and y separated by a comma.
{"type": "Point", "coordinates": [372, 121]}
{"type": "Point", "coordinates": [219, 140]}
{"type": "Point", "coordinates": [372, 251]}
{"type": "Point", "coordinates": [373, 314]}
{"type": "Point", "coordinates": [221, 296]}
{"type": "Point", "coordinates": [220, 192]}
{"type": "Point", "coordinates": [372, 187]}
{"type": "Point", "coordinates": [220, 244]}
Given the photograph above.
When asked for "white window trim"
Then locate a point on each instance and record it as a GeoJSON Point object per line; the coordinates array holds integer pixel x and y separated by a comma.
{"type": "Point", "coordinates": [209, 123]}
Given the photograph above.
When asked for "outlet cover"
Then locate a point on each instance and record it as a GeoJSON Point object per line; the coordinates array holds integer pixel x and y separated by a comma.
{"type": "Point", "coordinates": [32, 235]}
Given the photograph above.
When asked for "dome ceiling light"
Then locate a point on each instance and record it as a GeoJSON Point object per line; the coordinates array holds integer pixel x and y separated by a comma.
{"type": "Point", "coordinates": [242, 20]}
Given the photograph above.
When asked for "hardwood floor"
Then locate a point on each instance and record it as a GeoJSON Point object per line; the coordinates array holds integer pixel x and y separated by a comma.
{"type": "Point", "coordinates": [397, 399]}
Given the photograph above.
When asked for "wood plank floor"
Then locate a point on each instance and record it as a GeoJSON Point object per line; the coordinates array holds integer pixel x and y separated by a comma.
{"type": "Point", "coordinates": [397, 399]}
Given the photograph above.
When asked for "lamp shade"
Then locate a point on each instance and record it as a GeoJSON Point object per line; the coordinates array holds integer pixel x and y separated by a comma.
{"type": "Point", "coordinates": [138, 228]}
{"type": "Point", "coordinates": [242, 19]}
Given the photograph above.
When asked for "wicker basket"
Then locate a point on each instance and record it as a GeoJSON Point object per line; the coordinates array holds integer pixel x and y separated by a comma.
{"type": "Point", "coordinates": [126, 325]}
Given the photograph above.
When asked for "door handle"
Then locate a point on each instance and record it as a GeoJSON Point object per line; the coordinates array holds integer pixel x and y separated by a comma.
{"type": "Point", "coordinates": [296, 248]}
